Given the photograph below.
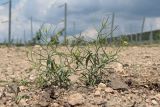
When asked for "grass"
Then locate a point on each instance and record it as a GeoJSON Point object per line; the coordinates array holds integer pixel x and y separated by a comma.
{"type": "Point", "coordinates": [23, 82]}
{"type": "Point", "coordinates": [91, 59]}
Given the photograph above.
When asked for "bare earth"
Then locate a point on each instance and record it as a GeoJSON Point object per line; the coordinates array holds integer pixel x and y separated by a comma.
{"type": "Point", "coordinates": [135, 82]}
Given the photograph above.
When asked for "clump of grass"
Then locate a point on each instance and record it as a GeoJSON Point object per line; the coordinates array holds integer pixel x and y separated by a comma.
{"type": "Point", "coordinates": [94, 72]}
{"type": "Point", "coordinates": [56, 66]}
{"type": "Point", "coordinates": [92, 59]}
{"type": "Point", "coordinates": [50, 63]}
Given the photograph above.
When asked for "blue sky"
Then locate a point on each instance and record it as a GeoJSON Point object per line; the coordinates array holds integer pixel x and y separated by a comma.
{"type": "Point", "coordinates": [14, 2]}
{"type": "Point", "coordinates": [2, 1]}
{"type": "Point", "coordinates": [86, 14]}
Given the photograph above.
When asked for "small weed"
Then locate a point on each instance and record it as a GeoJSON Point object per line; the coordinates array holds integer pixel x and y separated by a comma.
{"type": "Point", "coordinates": [51, 71]}
{"type": "Point", "coordinates": [54, 67]}
{"type": "Point", "coordinates": [24, 82]}
{"type": "Point", "coordinates": [18, 98]}
{"type": "Point", "coordinates": [92, 58]}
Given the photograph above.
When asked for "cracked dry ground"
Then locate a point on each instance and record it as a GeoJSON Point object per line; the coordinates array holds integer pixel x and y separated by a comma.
{"type": "Point", "coordinates": [135, 82]}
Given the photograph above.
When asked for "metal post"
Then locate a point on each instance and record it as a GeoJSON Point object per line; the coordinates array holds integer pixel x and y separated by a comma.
{"type": "Point", "coordinates": [142, 29]}
{"type": "Point", "coordinates": [31, 28]}
{"type": "Point", "coordinates": [74, 27]}
{"type": "Point", "coordinates": [24, 37]}
{"type": "Point", "coordinates": [10, 22]}
{"type": "Point", "coordinates": [136, 37]}
{"type": "Point", "coordinates": [65, 23]}
{"type": "Point", "coordinates": [112, 26]}
{"type": "Point", "coordinates": [131, 37]}
{"type": "Point", "coordinates": [131, 34]}
{"type": "Point", "coordinates": [151, 36]}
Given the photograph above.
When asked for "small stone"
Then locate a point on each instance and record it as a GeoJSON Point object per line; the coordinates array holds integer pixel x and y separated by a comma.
{"type": "Point", "coordinates": [32, 77]}
{"type": "Point", "coordinates": [23, 88]}
{"type": "Point", "coordinates": [135, 91]}
{"type": "Point", "coordinates": [144, 96]}
{"type": "Point", "coordinates": [99, 101]}
{"type": "Point", "coordinates": [109, 90]}
{"type": "Point", "coordinates": [45, 95]}
{"type": "Point", "coordinates": [147, 100]}
{"type": "Point", "coordinates": [117, 83]}
{"type": "Point", "coordinates": [102, 86]}
{"type": "Point", "coordinates": [36, 105]}
{"type": "Point", "coordinates": [158, 97]}
{"type": "Point", "coordinates": [41, 98]}
{"type": "Point", "coordinates": [66, 104]}
{"type": "Point", "coordinates": [154, 102]}
{"type": "Point", "coordinates": [43, 104]}
{"type": "Point", "coordinates": [97, 93]}
{"type": "Point", "coordinates": [54, 105]}
{"type": "Point", "coordinates": [98, 89]}
{"type": "Point", "coordinates": [2, 95]}
{"type": "Point", "coordinates": [23, 102]}
{"type": "Point", "coordinates": [2, 89]}
{"type": "Point", "coordinates": [13, 88]}
{"type": "Point", "coordinates": [76, 99]}
{"type": "Point", "coordinates": [118, 67]}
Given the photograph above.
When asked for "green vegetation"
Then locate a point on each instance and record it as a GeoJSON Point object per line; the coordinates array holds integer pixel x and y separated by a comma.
{"type": "Point", "coordinates": [24, 82]}
{"type": "Point", "coordinates": [55, 66]}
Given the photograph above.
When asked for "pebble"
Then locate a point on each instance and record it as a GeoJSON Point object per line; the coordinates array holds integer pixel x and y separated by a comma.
{"type": "Point", "coordinates": [54, 105]}
{"type": "Point", "coordinates": [23, 88]}
{"type": "Point", "coordinates": [117, 83]}
{"type": "Point", "coordinates": [158, 96]}
{"type": "Point", "coordinates": [23, 102]}
{"type": "Point", "coordinates": [13, 88]}
{"type": "Point", "coordinates": [102, 86]}
{"type": "Point", "coordinates": [97, 93]}
{"type": "Point", "coordinates": [76, 99]}
{"type": "Point", "coordinates": [2, 95]}
{"type": "Point", "coordinates": [109, 90]}
{"type": "Point", "coordinates": [154, 102]}
{"type": "Point", "coordinates": [32, 77]}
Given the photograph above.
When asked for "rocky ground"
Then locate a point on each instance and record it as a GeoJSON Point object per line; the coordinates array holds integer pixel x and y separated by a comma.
{"type": "Point", "coordinates": [134, 81]}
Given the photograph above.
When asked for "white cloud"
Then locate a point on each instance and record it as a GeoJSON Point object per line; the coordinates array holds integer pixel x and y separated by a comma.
{"type": "Point", "coordinates": [21, 14]}
{"type": "Point", "coordinates": [90, 33]}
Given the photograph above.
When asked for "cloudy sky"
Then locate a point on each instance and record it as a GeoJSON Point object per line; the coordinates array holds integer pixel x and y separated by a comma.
{"type": "Point", "coordinates": [83, 15]}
